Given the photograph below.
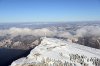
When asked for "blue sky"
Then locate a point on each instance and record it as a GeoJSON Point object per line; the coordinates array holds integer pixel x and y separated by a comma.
{"type": "Point", "coordinates": [49, 10]}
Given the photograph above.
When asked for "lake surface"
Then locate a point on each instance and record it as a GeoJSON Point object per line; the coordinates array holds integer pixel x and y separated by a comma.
{"type": "Point", "coordinates": [7, 56]}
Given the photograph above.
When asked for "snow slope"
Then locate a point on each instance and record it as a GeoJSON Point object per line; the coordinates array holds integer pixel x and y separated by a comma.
{"type": "Point", "coordinates": [59, 50]}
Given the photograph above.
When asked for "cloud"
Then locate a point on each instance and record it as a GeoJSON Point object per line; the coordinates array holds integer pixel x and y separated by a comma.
{"type": "Point", "coordinates": [65, 34]}
{"type": "Point", "coordinates": [27, 31]}
{"type": "Point", "coordinates": [43, 32]}
{"type": "Point", "coordinates": [88, 31]}
{"type": "Point", "coordinates": [85, 31]}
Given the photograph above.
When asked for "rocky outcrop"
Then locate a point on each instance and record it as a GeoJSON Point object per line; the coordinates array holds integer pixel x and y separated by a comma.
{"type": "Point", "coordinates": [55, 52]}
{"type": "Point", "coordinates": [20, 42]}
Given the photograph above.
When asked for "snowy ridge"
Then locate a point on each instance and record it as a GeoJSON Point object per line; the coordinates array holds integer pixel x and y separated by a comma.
{"type": "Point", "coordinates": [61, 52]}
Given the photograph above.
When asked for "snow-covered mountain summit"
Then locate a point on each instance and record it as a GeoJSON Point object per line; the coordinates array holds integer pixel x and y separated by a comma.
{"type": "Point", "coordinates": [57, 52]}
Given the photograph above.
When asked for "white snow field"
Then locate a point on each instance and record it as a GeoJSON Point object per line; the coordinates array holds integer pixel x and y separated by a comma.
{"type": "Point", "coordinates": [57, 52]}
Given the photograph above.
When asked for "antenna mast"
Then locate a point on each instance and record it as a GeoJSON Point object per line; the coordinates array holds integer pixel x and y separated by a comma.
{"type": "Point", "coordinates": [45, 34]}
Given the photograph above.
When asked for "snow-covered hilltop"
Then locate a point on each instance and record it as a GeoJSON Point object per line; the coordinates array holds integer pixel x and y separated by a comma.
{"type": "Point", "coordinates": [57, 52]}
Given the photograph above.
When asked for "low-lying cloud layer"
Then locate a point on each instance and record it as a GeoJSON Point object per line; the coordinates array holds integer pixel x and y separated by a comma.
{"type": "Point", "coordinates": [88, 31]}
{"type": "Point", "coordinates": [85, 31]}
{"type": "Point", "coordinates": [27, 31]}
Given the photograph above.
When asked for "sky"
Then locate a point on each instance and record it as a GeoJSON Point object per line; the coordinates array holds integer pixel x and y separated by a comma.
{"type": "Point", "coordinates": [49, 10]}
